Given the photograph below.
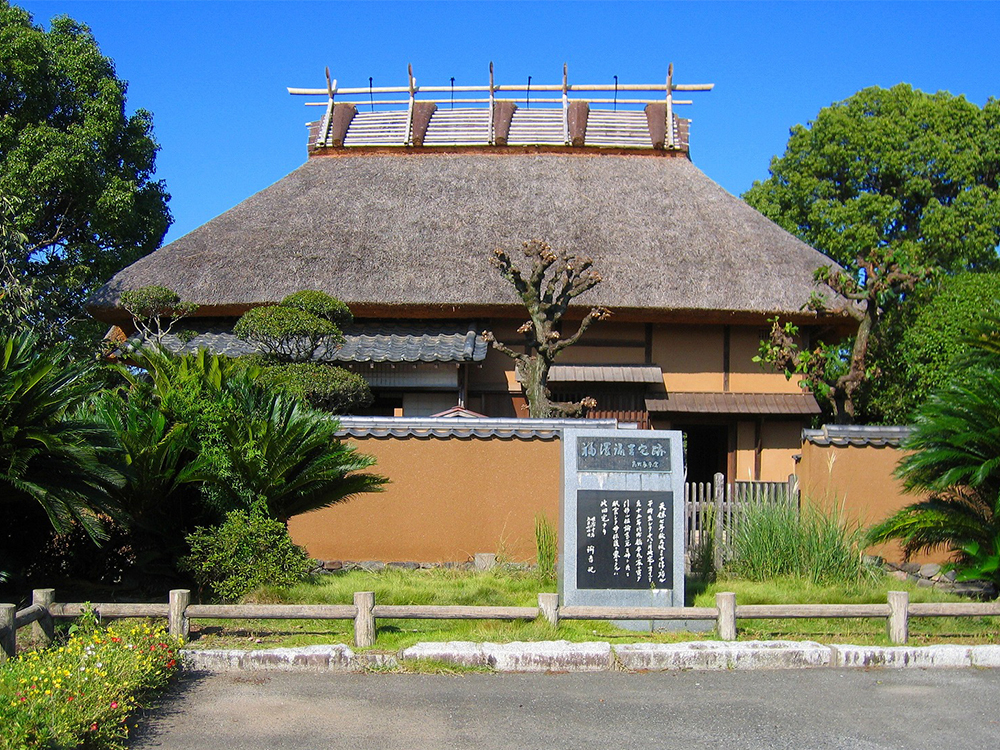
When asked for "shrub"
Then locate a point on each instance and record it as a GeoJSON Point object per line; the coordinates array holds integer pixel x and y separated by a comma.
{"type": "Point", "coordinates": [323, 386]}
{"type": "Point", "coordinates": [287, 333]}
{"type": "Point", "coordinates": [321, 305]}
{"type": "Point", "coordinates": [84, 691]}
{"type": "Point", "coordinates": [246, 551]}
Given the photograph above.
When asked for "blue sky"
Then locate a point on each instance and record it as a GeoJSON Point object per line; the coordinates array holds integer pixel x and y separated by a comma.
{"type": "Point", "coordinates": [214, 73]}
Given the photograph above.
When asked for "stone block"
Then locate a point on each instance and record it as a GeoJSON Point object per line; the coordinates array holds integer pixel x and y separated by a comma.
{"type": "Point", "coordinates": [929, 570]}
{"type": "Point", "coordinates": [898, 657]}
{"type": "Point", "coordinates": [462, 653]}
{"type": "Point", "coordinates": [549, 656]}
{"type": "Point", "coordinates": [985, 656]}
{"type": "Point", "coordinates": [710, 655]}
{"type": "Point", "coordinates": [485, 560]}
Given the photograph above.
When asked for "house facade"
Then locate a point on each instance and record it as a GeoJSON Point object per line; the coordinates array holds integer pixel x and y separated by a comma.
{"type": "Point", "coordinates": [402, 200]}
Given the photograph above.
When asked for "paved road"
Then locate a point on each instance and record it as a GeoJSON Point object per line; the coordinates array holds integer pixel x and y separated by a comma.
{"type": "Point", "coordinates": [821, 708]}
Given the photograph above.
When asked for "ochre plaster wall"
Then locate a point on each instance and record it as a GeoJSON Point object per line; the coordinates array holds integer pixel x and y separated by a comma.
{"type": "Point", "coordinates": [449, 499]}
{"type": "Point", "coordinates": [690, 356]}
{"type": "Point", "coordinates": [781, 442]}
{"type": "Point", "coordinates": [859, 482]}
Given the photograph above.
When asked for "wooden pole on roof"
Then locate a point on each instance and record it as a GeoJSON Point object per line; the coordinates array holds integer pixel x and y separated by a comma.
{"type": "Point", "coordinates": [565, 104]}
{"type": "Point", "coordinates": [671, 138]}
{"type": "Point", "coordinates": [409, 114]}
{"type": "Point", "coordinates": [492, 106]}
{"type": "Point", "coordinates": [324, 128]}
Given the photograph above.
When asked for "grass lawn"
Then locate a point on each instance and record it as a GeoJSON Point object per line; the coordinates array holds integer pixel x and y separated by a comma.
{"type": "Point", "coordinates": [519, 588]}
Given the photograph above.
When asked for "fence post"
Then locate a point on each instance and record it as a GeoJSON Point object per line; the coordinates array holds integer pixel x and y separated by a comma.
{"type": "Point", "coordinates": [8, 632]}
{"type": "Point", "coordinates": [43, 630]}
{"type": "Point", "coordinates": [719, 496]}
{"type": "Point", "coordinates": [179, 625]}
{"type": "Point", "coordinates": [549, 604]}
{"type": "Point", "coordinates": [793, 491]}
{"type": "Point", "coordinates": [364, 620]}
{"type": "Point", "coordinates": [726, 622]}
{"type": "Point", "coordinates": [899, 624]}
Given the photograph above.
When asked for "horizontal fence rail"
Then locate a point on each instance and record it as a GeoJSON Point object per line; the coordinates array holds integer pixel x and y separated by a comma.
{"type": "Point", "coordinates": [364, 612]}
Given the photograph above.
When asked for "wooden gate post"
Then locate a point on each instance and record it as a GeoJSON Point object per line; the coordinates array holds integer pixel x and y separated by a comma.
{"type": "Point", "coordinates": [719, 496]}
{"type": "Point", "coordinates": [8, 632]}
{"type": "Point", "coordinates": [364, 620]}
{"type": "Point", "coordinates": [43, 630]}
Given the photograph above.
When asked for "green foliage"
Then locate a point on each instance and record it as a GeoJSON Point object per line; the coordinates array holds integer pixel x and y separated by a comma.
{"type": "Point", "coordinates": [80, 168]}
{"type": "Point", "coordinates": [287, 333]}
{"type": "Point", "coordinates": [956, 463]}
{"type": "Point", "coordinates": [202, 437]}
{"type": "Point", "coordinates": [933, 346]}
{"type": "Point", "coordinates": [323, 386]}
{"type": "Point", "coordinates": [894, 185]}
{"type": "Point", "coordinates": [546, 547]}
{"type": "Point", "coordinates": [155, 310]}
{"type": "Point", "coordinates": [248, 550]}
{"type": "Point", "coordinates": [775, 539]}
{"type": "Point", "coordinates": [84, 692]}
{"type": "Point", "coordinates": [299, 326]}
{"type": "Point", "coordinates": [321, 305]}
{"type": "Point", "coordinates": [286, 456]}
{"type": "Point", "coordinates": [894, 168]}
{"type": "Point", "coordinates": [63, 463]}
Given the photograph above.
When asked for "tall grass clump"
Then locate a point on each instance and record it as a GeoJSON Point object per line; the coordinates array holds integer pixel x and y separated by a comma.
{"type": "Point", "coordinates": [776, 539]}
{"type": "Point", "coordinates": [546, 546]}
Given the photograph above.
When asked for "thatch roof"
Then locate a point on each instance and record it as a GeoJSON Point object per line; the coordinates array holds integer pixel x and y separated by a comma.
{"type": "Point", "coordinates": [390, 232]}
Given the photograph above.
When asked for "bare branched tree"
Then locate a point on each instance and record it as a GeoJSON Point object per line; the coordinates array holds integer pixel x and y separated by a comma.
{"type": "Point", "coordinates": [553, 280]}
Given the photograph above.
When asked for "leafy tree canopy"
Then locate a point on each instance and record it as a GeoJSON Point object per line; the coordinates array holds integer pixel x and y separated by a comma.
{"type": "Point", "coordinates": [894, 168]}
{"type": "Point", "coordinates": [897, 187]}
{"type": "Point", "coordinates": [933, 349]}
{"type": "Point", "coordinates": [78, 168]}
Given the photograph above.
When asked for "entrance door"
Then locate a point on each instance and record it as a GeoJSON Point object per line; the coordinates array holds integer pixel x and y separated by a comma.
{"type": "Point", "coordinates": [706, 450]}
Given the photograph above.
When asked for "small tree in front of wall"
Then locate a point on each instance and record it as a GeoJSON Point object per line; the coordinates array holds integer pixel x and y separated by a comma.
{"type": "Point", "coordinates": [155, 310]}
{"type": "Point", "coordinates": [553, 281]}
{"type": "Point", "coordinates": [290, 335]}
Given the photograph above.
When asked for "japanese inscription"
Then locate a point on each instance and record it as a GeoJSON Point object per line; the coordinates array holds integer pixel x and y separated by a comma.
{"type": "Point", "coordinates": [623, 454]}
{"type": "Point", "coordinates": [624, 539]}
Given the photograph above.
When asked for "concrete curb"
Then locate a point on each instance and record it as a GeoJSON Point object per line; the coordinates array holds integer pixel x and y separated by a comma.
{"type": "Point", "coordinates": [563, 656]}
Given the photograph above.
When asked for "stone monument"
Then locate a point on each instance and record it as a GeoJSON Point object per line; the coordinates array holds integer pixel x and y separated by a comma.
{"type": "Point", "coordinates": [622, 519]}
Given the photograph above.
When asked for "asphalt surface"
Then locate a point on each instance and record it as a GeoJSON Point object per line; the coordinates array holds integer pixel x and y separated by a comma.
{"type": "Point", "coordinates": [943, 709]}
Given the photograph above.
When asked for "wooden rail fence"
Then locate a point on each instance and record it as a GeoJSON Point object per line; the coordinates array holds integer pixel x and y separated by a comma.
{"type": "Point", "coordinates": [365, 613]}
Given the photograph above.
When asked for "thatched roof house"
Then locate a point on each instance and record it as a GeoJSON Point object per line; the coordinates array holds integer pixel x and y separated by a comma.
{"type": "Point", "coordinates": [396, 212]}
{"type": "Point", "coordinates": [388, 233]}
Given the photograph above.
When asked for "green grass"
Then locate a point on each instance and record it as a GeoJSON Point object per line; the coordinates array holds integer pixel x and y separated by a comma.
{"type": "Point", "coordinates": [503, 587]}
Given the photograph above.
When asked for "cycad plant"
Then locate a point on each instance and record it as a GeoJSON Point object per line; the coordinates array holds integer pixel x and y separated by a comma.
{"type": "Point", "coordinates": [286, 455]}
{"type": "Point", "coordinates": [956, 463]}
{"type": "Point", "coordinates": [63, 463]}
